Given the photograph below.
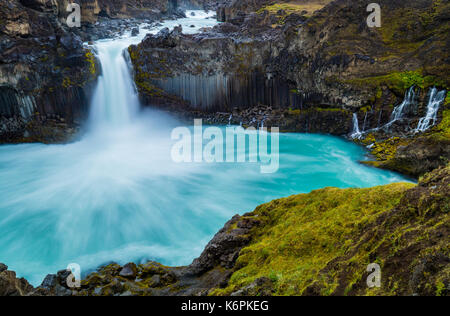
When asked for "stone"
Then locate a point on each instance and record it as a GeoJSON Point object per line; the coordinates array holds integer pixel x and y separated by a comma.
{"type": "Point", "coordinates": [129, 271]}
{"type": "Point", "coordinates": [3, 267]}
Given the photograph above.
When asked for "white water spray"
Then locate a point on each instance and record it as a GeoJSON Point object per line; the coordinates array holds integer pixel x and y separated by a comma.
{"type": "Point", "coordinates": [399, 111]}
{"type": "Point", "coordinates": [356, 132]}
{"type": "Point", "coordinates": [436, 98]}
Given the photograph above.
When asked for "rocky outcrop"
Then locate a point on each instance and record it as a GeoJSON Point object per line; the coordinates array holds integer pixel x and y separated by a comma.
{"type": "Point", "coordinates": [46, 76]}
{"type": "Point", "coordinates": [10, 285]}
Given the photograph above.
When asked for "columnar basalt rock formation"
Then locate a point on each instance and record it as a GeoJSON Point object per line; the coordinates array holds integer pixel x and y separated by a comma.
{"type": "Point", "coordinates": [46, 75]}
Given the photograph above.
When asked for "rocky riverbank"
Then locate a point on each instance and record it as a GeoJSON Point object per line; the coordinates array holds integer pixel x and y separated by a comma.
{"type": "Point", "coordinates": [292, 247]}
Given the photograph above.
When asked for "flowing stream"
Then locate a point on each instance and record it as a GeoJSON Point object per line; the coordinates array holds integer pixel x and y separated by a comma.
{"type": "Point", "coordinates": [116, 195]}
{"type": "Point", "coordinates": [430, 118]}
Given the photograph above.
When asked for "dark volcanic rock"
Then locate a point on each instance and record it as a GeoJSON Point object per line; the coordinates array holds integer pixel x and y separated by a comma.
{"type": "Point", "coordinates": [224, 248]}
{"type": "Point", "coordinates": [46, 76]}
{"type": "Point", "coordinates": [10, 285]}
{"type": "Point", "coordinates": [129, 271]}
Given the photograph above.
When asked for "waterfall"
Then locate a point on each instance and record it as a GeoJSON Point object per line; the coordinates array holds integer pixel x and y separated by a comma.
{"type": "Point", "coordinates": [356, 132]}
{"type": "Point", "coordinates": [399, 110]}
{"type": "Point", "coordinates": [436, 98]}
{"type": "Point", "coordinates": [365, 122]}
{"type": "Point", "coordinates": [115, 101]}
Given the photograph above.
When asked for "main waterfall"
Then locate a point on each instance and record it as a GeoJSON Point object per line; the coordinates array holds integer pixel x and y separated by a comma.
{"type": "Point", "coordinates": [115, 101]}
{"type": "Point", "coordinates": [116, 195]}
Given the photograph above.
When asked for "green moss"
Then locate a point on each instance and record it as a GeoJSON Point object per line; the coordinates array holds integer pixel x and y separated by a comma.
{"type": "Point", "coordinates": [302, 234]}
{"type": "Point", "coordinates": [442, 131]}
{"type": "Point", "coordinates": [399, 25]}
{"type": "Point", "coordinates": [399, 81]}
{"type": "Point", "coordinates": [283, 10]}
{"type": "Point", "coordinates": [90, 58]}
{"type": "Point", "coordinates": [66, 82]}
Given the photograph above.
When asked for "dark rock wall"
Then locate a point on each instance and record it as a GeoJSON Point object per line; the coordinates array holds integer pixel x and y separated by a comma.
{"type": "Point", "coordinates": [329, 60]}
{"type": "Point", "coordinates": [46, 75]}
{"type": "Point", "coordinates": [226, 92]}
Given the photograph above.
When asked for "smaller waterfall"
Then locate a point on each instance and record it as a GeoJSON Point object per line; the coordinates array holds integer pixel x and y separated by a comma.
{"type": "Point", "coordinates": [399, 110]}
{"type": "Point", "coordinates": [365, 122]}
{"type": "Point", "coordinates": [263, 120]}
{"type": "Point", "coordinates": [356, 132]}
{"type": "Point", "coordinates": [379, 119]}
{"type": "Point", "coordinates": [229, 119]}
{"type": "Point", "coordinates": [436, 98]}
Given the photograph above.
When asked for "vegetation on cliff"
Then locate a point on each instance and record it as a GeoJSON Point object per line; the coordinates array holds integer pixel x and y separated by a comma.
{"type": "Point", "coordinates": [318, 243]}
{"type": "Point", "coordinates": [322, 242]}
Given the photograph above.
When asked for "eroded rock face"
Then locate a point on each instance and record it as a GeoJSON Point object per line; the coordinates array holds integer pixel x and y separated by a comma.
{"type": "Point", "coordinates": [46, 76]}
{"type": "Point", "coordinates": [10, 285]}
{"type": "Point", "coordinates": [330, 60]}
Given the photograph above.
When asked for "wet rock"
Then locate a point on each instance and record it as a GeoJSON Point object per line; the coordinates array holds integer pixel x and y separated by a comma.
{"type": "Point", "coordinates": [10, 285]}
{"type": "Point", "coordinates": [135, 31]}
{"type": "Point", "coordinates": [49, 282]}
{"type": "Point", "coordinates": [223, 249]}
{"type": "Point", "coordinates": [155, 280]}
{"type": "Point", "coordinates": [129, 271]}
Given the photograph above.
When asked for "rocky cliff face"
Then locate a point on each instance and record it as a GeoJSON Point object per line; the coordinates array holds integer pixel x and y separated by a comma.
{"type": "Point", "coordinates": [46, 76]}
{"type": "Point", "coordinates": [286, 58]}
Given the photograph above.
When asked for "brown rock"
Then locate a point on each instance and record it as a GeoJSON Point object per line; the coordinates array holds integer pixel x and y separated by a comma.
{"type": "Point", "coordinates": [10, 285]}
{"type": "Point", "coordinates": [129, 271]}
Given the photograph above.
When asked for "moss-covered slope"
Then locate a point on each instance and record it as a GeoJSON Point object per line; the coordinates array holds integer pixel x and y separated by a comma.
{"type": "Point", "coordinates": [321, 243]}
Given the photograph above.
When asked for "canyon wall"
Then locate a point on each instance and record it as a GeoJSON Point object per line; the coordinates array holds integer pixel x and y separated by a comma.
{"type": "Point", "coordinates": [289, 59]}
{"type": "Point", "coordinates": [46, 75]}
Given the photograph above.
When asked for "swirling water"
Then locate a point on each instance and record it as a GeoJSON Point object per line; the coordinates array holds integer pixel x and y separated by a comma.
{"type": "Point", "coordinates": [116, 195]}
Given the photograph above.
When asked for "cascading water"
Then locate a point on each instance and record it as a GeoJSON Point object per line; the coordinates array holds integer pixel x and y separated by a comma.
{"type": "Point", "coordinates": [399, 111]}
{"type": "Point", "coordinates": [436, 98]}
{"type": "Point", "coordinates": [115, 101]}
{"type": "Point", "coordinates": [116, 195]}
{"type": "Point", "coordinates": [356, 132]}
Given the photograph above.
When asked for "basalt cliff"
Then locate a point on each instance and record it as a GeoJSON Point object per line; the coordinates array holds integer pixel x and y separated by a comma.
{"type": "Point", "coordinates": [311, 66]}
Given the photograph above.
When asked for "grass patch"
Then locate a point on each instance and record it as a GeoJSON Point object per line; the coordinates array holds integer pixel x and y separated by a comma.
{"type": "Point", "coordinates": [302, 234]}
